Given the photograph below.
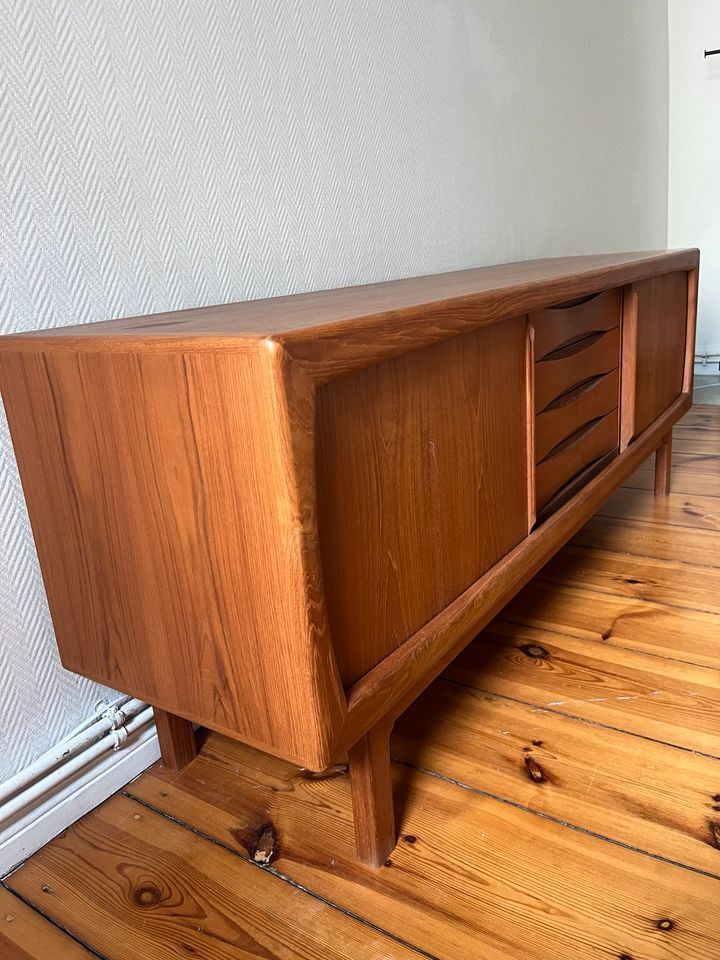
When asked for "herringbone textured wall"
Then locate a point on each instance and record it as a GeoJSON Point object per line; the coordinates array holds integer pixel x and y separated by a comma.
{"type": "Point", "coordinates": [158, 154]}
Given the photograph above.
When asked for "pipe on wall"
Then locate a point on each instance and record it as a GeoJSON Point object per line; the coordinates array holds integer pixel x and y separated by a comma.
{"type": "Point", "coordinates": [57, 765]}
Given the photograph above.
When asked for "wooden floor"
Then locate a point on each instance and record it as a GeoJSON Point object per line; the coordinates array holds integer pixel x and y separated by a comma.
{"type": "Point", "coordinates": [707, 388]}
{"type": "Point", "coordinates": [558, 789]}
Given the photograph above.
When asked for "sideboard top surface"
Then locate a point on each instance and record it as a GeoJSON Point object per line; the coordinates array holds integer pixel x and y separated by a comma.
{"type": "Point", "coordinates": [491, 292]}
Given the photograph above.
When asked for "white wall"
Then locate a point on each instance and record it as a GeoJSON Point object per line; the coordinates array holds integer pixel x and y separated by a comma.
{"type": "Point", "coordinates": [694, 183]}
{"type": "Point", "coordinates": [159, 155]}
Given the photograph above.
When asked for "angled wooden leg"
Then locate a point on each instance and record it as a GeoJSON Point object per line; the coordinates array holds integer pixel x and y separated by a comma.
{"type": "Point", "coordinates": [177, 739]}
{"type": "Point", "coordinates": [372, 801]}
{"type": "Point", "coordinates": [663, 466]}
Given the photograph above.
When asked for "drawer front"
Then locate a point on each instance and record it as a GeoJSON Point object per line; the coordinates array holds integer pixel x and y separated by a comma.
{"type": "Point", "coordinates": [573, 364]}
{"type": "Point", "coordinates": [592, 441]}
{"type": "Point", "coordinates": [563, 416]}
{"type": "Point", "coordinates": [559, 327]}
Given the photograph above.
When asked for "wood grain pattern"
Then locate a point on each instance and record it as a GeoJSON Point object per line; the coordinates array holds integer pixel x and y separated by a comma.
{"type": "Point", "coordinates": [557, 798]}
{"type": "Point", "coordinates": [683, 482]}
{"type": "Point", "coordinates": [109, 878]}
{"type": "Point", "coordinates": [26, 935]}
{"type": "Point", "coordinates": [663, 466]}
{"type": "Point", "coordinates": [701, 418]}
{"type": "Point", "coordinates": [636, 624]}
{"type": "Point", "coordinates": [564, 416]}
{"type": "Point", "coordinates": [694, 447]}
{"type": "Point", "coordinates": [687, 586]}
{"type": "Point", "coordinates": [244, 510]}
{"type": "Point", "coordinates": [647, 539]}
{"type": "Point", "coordinates": [676, 509]}
{"type": "Point", "coordinates": [411, 508]}
{"type": "Point", "coordinates": [391, 686]}
{"type": "Point", "coordinates": [173, 537]}
{"type": "Point", "coordinates": [575, 485]}
{"type": "Point", "coordinates": [557, 326]}
{"type": "Point", "coordinates": [465, 885]}
{"type": "Point", "coordinates": [553, 377]}
{"type": "Point", "coordinates": [590, 442]}
{"type": "Point", "coordinates": [372, 798]}
{"type": "Point", "coordinates": [667, 700]}
{"type": "Point", "coordinates": [698, 434]}
{"type": "Point", "coordinates": [647, 795]}
{"type": "Point", "coordinates": [662, 312]}
{"type": "Point", "coordinates": [337, 331]}
{"type": "Point", "coordinates": [177, 739]}
{"type": "Point", "coordinates": [471, 877]}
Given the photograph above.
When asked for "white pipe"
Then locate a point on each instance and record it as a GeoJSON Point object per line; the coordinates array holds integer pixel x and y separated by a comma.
{"type": "Point", "coordinates": [114, 717]}
{"type": "Point", "coordinates": [111, 741]}
{"type": "Point", "coordinates": [101, 708]}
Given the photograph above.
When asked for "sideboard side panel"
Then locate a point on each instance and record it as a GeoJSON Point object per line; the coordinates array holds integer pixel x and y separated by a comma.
{"type": "Point", "coordinates": [172, 551]}
{"type": "Point", "coordinates": [422, 484]}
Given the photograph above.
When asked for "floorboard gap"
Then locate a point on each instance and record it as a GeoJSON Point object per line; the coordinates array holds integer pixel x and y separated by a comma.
{"type": "Point", "coordinates": [629, 598]}
{"type": "Point", "coordinates": [614, 645]}
{"type": "Point", "coordinates": [281, 876]}
{"type": "Point", "coordinates": [50, 919]}
{"type": "Point", "coordinates": [557, 820]}
{"type": "Point", "coordinates": [571, 716]}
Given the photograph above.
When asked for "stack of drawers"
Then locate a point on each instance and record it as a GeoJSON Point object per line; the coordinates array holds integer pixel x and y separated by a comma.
{"type": "Point", "coordinates": [577, 386]}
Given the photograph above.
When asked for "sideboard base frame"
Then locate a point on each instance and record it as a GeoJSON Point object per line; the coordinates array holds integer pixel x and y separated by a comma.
{"type": "Point", "coordinates": [663, 466]}
{"type": "Point", "coordinates": [176, 737]}
{"type": "Point", "coordinates": [371, 791]}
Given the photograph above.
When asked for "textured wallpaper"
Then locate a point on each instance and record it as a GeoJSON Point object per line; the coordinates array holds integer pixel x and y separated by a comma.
{"type": "Point", "coordinates": [159, 155]}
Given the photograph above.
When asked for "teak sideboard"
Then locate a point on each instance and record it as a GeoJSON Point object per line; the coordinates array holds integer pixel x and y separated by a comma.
{"type": "Point", "coordinates": [282, 519]}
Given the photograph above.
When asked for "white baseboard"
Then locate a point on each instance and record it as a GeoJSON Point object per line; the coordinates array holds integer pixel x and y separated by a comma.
{"type": "Point", "coordinates": [102, 777]}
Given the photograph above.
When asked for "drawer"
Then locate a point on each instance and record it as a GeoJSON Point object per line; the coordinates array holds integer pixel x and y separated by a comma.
{"type": "Point", "coordinates": [592, 441]}
{"type": "Point", "coordinates": [573, 364]}
{"type": "Point", "coordinates": [566, 414]}
{"type": "Point", "coordinates": [560, 326]}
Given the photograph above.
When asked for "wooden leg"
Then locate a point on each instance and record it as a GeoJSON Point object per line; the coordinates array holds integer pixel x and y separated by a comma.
{"type": "Point", "coordinates": [663, 466]}
{"type": "Point", "coordinates": [177, 739]}
{"type": "Point", "coordinates": [372, 801]}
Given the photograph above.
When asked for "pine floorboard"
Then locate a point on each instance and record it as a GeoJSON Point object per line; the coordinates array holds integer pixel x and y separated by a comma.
{"type": "Point", "coordinates": [26, 935]}
{"type": "Point", "coordinates": [557, 789]}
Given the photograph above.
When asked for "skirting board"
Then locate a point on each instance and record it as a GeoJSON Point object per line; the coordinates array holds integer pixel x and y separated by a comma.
{"type": "Point", "coordinates": [709, 369]}
{"type": "Point", "coordinates": [95, 783]}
